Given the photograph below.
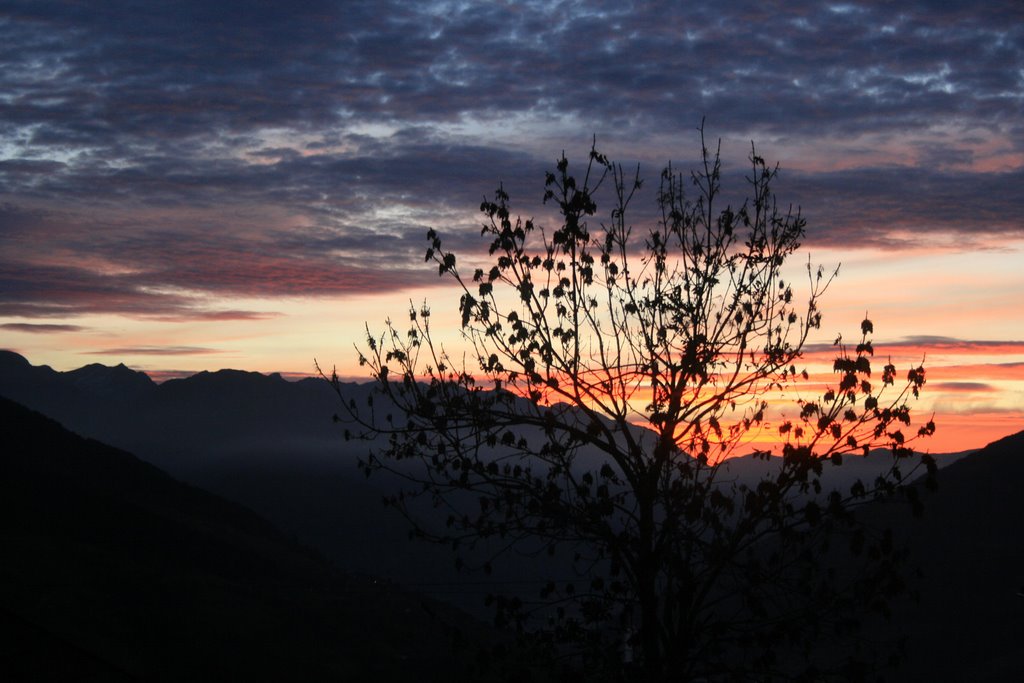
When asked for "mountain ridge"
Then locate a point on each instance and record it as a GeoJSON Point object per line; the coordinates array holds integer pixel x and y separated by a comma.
{"type": "Point", "coordinates": [132, 575]}
{"type": "Point", "coordinates": [968, 543]}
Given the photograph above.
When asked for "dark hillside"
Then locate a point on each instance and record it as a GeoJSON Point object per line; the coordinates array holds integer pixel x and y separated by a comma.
{"type": "Point", "coordinates": [969, 546]}
{"type": "Point", "coordinates": [182, 425]}
{"type": "Point", "coordinates": [115, 568]}
{"type": "Point", "coordinates": [270, 445]}
{"type": "Point", "coordinates": [261, 441]}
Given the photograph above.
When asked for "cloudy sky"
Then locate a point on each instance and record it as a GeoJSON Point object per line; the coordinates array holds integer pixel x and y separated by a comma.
{"type": "Point", "coordinates": [197, 185]}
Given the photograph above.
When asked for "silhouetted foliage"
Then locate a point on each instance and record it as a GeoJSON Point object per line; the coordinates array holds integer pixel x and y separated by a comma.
{"type": "Point", "coordinates": [611, 374]}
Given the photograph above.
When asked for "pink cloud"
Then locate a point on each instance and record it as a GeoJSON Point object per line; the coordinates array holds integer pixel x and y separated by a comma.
{"type": "Point", "coordinates": [154, 351]}
{"type": "Point", "coordinates": [41, 328]}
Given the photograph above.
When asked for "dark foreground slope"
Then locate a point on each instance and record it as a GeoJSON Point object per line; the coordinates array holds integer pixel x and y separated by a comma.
{"type": "Point", "coordinates": [969, 546]}
{"type": "Point", "coordinates": [268, 444]}
{"type": "Point", "coordinates": [271, 446]}
{"type": "Point", "coordinates": [112, 570]}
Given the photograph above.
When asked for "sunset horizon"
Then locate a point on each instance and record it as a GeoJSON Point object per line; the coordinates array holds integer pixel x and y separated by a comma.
{"type": "Point", "coordinates": [206, 186]}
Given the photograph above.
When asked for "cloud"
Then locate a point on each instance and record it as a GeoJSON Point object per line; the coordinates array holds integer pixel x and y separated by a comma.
{"type": "Point", "coordinates": [921, 344]}
{"type": "Point", "coordinates": [221, 316]}
{"type": "Point", "coordinates": [153, 154]}
{"type": "Point", "coordinates": [987, 346]}
{"type": "Point", "coordinates": [880, 207]}
{"type": "Point", "coordinates": [966, 387]}
{"type": "Point", "coordinates": [154, 351]}
{"type": "Point", "coordinates": [41, 328]}
{"type": "Point", "coordinates": [175, 275]}
{"type": "Point", "coordinates": [1001, 372]}
{"type": "Point", "coordinates": [189, 72]}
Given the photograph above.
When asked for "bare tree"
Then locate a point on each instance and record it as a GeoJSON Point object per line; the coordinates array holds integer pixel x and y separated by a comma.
{"type": "Point", "coordinates": [611, 376]}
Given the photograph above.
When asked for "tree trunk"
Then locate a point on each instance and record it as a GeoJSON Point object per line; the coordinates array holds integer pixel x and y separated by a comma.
{"type": "Point", "coordinates": [647, 592]}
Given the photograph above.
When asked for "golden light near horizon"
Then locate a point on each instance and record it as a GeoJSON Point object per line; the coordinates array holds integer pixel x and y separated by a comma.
{"type": "Point", "coordinates": [287, 335]}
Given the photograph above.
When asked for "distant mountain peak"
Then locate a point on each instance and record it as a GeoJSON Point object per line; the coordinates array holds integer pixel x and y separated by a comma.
{"type": "Point", "coordinates": [231, 377]}
{"type": "Point", "coordinates": [106, 380]}
{"type": "Point", "coordinates": [14, 367]}
{"type": "Point", "coordinates": [13, 359]}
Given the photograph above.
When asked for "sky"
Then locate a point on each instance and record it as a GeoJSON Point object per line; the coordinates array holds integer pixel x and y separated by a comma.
{"type": "Point", "coordinates": [191, 186]}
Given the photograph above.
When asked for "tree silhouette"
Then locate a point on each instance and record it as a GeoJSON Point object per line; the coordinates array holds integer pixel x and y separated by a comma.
{"type": "Point", "coordinates": [611, 376]}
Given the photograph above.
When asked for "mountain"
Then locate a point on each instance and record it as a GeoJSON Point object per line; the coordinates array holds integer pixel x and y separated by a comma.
{"type": "Point", "coordinates": [182, 423]}
{"type": "Point", "coordinates": [968, 624]}
{"type": "Point", "coordinates": [272, 445]}
{"type": "Point", "coordinates": [113, 570]}
{"type": "Point", "coordinates": [266, 443]}
{"type": "Point", "coordinates": [751, 469]}
{"type": "Point", "coordinates": [118, 382]}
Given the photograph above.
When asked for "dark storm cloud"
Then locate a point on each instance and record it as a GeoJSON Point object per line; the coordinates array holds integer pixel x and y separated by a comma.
{"type": "Point", "coordinates": [303, 148]}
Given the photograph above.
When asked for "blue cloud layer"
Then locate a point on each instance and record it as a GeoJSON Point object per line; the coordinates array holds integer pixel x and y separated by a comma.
{"type": "Point", "coordinates": [266, 148]}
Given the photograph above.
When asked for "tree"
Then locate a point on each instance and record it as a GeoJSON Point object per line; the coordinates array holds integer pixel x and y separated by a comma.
{"type": "Point", "coordinates": [611, 376]}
